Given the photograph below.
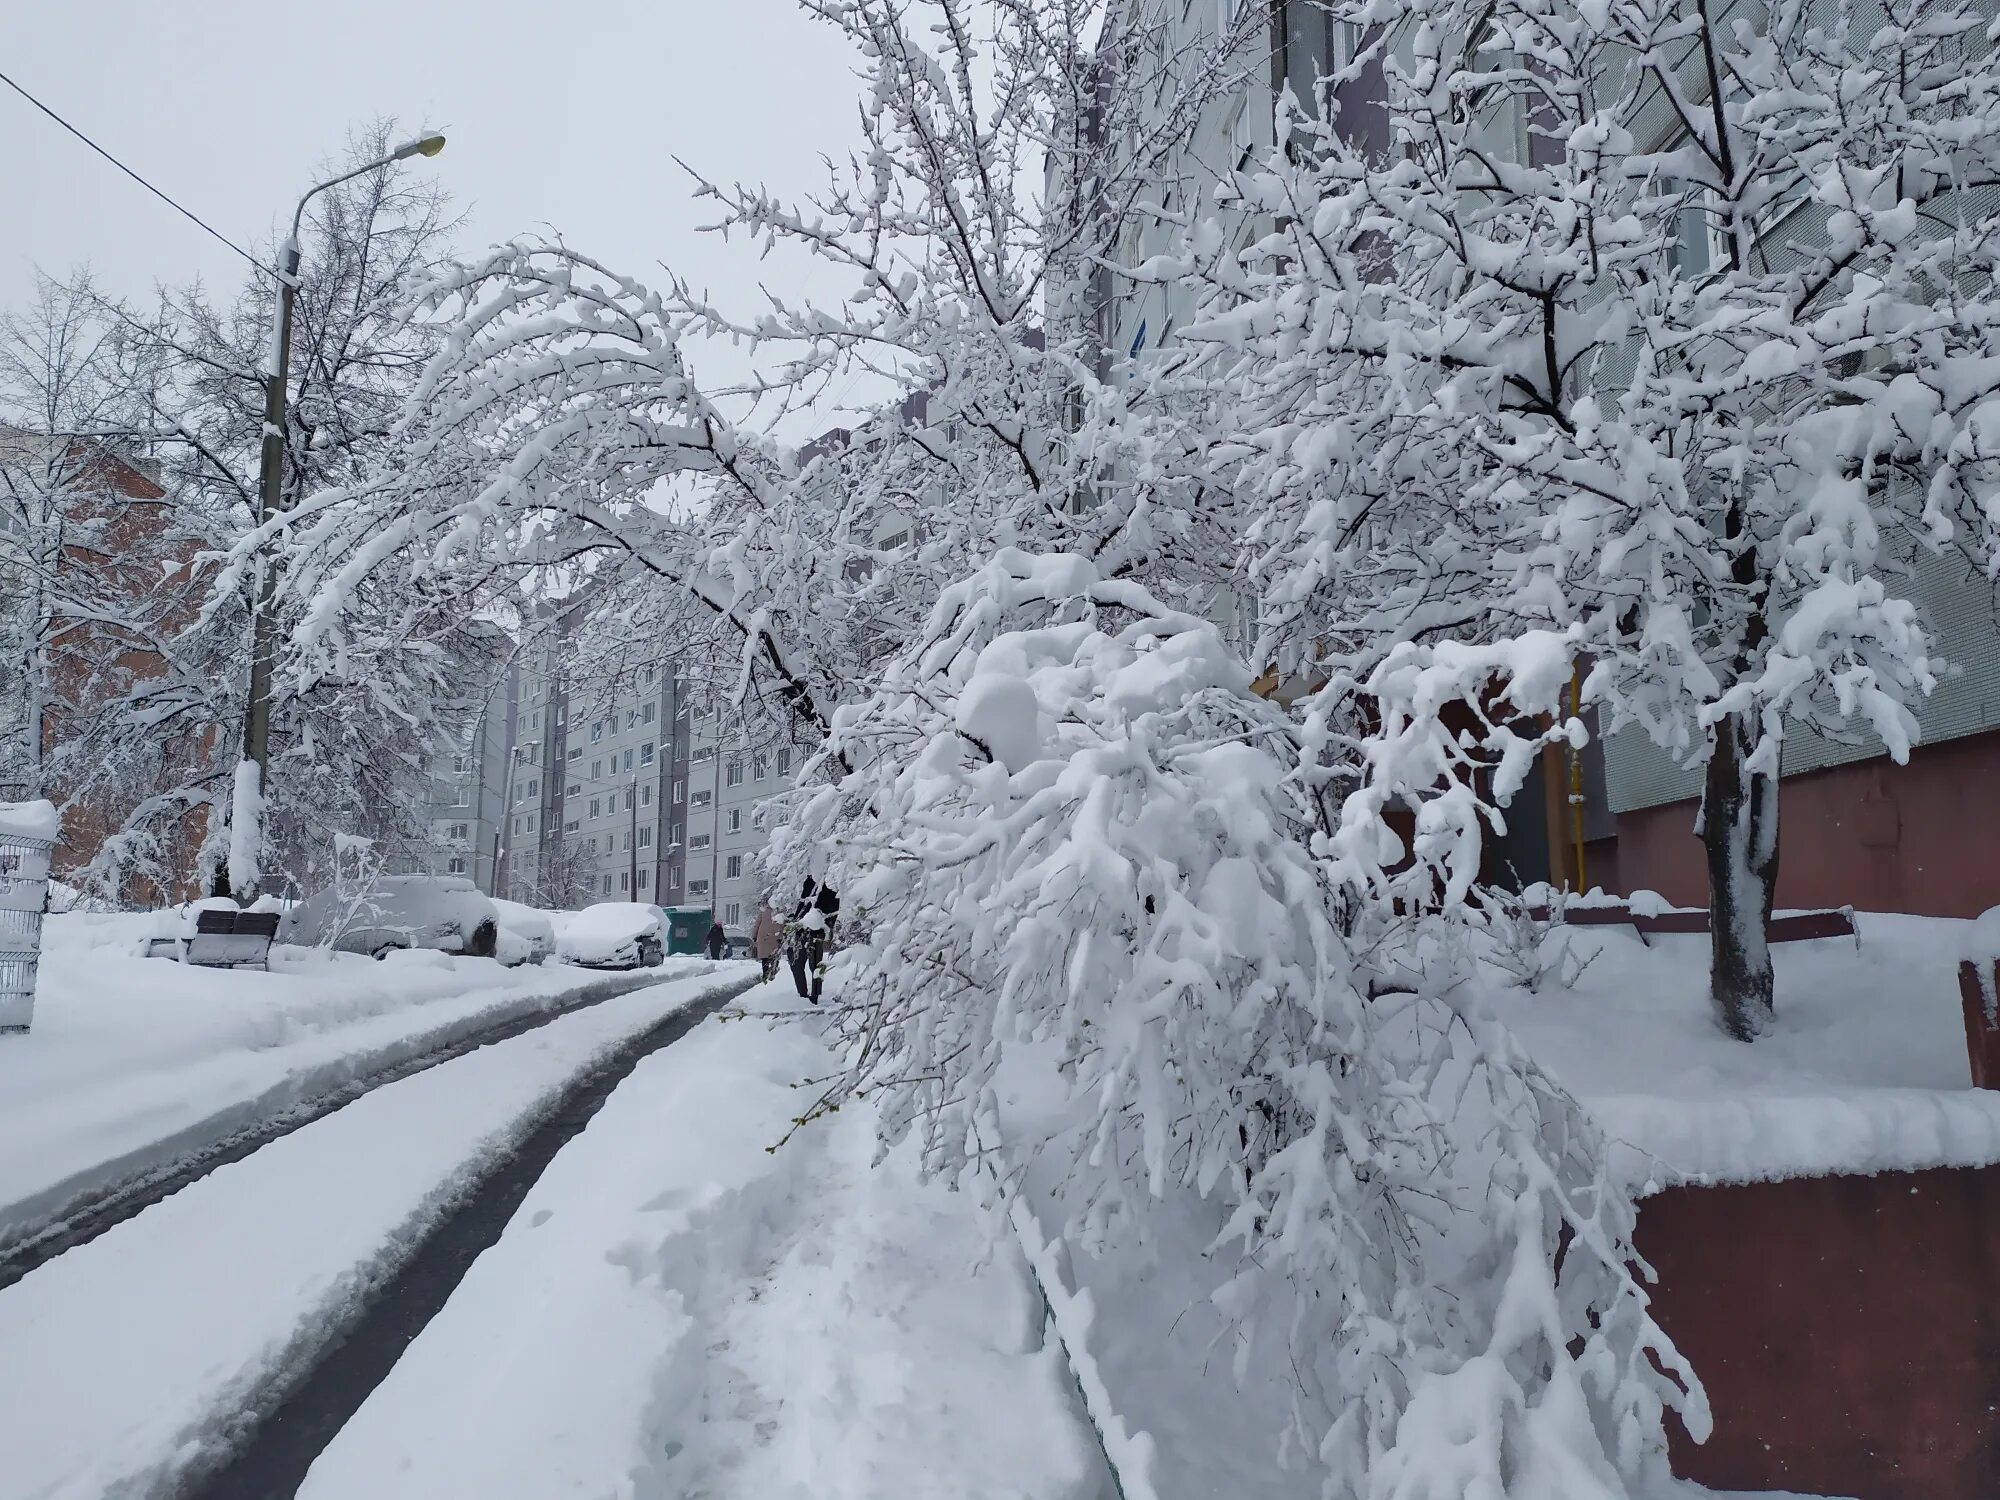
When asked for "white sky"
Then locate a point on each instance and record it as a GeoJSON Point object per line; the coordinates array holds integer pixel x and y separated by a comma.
{"type": "Point", "coordinates": [563, 114]}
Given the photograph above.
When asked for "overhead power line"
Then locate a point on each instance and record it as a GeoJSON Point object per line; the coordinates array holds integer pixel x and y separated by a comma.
{"type": "Point", "coordinates": [184, 213]}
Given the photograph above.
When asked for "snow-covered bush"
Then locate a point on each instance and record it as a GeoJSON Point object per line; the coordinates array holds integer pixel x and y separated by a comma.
{"type": "Point", "coordinates": [1085, 848]}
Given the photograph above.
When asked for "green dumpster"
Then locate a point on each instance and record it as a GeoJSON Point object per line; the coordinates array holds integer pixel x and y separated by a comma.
{"type": "Point", "coordinates": [687, 927]}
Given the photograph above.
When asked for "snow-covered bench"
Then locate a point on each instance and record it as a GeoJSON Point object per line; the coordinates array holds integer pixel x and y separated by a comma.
{"type": "Point", "coordinates": [232, 939]}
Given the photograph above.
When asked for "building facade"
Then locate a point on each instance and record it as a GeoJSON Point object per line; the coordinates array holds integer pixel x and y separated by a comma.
{"type": "Point", "coordinates": [736, 783]}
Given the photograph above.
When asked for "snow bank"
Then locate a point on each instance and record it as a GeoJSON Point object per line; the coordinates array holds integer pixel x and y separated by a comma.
{"type": "Point", "coordinates": [135, 1061]}
{"type": "Point", "coordinates": [676, 1310]}
{"type": "Point", "coordinates": [124, 1361]}
{"type": "Point", "coordinates": [1865, 1072]}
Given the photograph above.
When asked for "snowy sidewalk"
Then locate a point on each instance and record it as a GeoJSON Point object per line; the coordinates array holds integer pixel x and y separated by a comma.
{"type": "Point", "coordinates": [677, 1312]}
{"type": "Point", "coordinates": [123, 1361]}
{"type": "Point", "coordinates": [133, 1061]}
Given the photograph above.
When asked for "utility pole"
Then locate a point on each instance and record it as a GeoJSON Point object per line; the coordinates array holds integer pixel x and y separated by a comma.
{"type": "Point", "coordinates": [246, 845]}
{"type": "Point", "coordinates": [632, 833]}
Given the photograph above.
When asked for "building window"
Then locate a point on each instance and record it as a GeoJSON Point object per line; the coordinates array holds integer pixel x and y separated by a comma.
{"type": "Point", "coordinates": [703, 753]}
{"type": "Point", "coordinates": [646, 795]}
{"type": "Point", "coordinates": [697, 887]}
{"type": "Point", "coordinates": [784, 761]}
{"type": "Point", "coordinates": [458, 831]}
{"type": "Point", "coordinates": [454, 866]}
{"type": "Point", "coordinates": [646, 753]}
{"type": "Point", "coordinates": [576, 752]}
{"type": "Point", "coordinates": [460, 765]}
{"type": "Point", "coordinates": [645, 838]}
{"type": "Point", "coordinates": [520, 825]}
{"type": "Point", "coordinates": [735, 820]}
{"type": "Point", "coordinates": [597, 770]}
{"type": "Point", "coordinates": [571, 826]}
{"type": "Point", "coordinates": [590, 848]}
{"type": "Point", "coordinates": [576, 789]}
{"type": "Point", "coordinates": [732, 914]}
{"type": "Point", "coordinates": [624, 880]}
{"type": "Point", "coordinates": [698, 841]}
{"type": "Point", "coordinates": [699, 799]}
{"type": "Point", "coordinates": [628, 799]}
{"type": "Point", "coordinates": [596, 808]}
{"type": "Point", "coordinates": [628, 759]}
{"type": "Point", "coordinates": [760, 767]}
{"type": "Point", "coordinates": [607, 885]}
{"type": "Point", "coordinates": [596, 731]}
{"type": "Point", "coordinates": [627, 844]}
{"type": "Point", "coordinates": [646, 680]}
{"type": "Point", "coordinates": [535, 787]}
{"type": "Point", "coordinates": [736, 770]}
{"type": "Point", "coordinates": [646, 713]}
{"type": "Point", "coordinates": [679, 788]}
{"type": "Point", "coordinates": [643, 875]}
{"type": "Point", "coordinates": [734, 869]}
{"type": "Point", "coordinates": [461, 796]}
{"type": "Point", "coordinates": [531, 822]}
{"type": "Point", "coordinates": [631, 718]}
{"type": "Point", "coordinates": [893, 540]}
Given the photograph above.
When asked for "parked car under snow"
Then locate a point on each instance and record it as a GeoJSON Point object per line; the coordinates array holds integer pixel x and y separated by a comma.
{"type": "Point", "coordinates": [527, 936]}
{"type": "Point", "coordinates": [613, 935]}
{"type": "Point", "coordinates": [443, 913]}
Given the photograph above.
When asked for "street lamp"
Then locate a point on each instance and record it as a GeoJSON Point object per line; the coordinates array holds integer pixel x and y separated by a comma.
{"type": "Point", "coordinates": [252, 772]}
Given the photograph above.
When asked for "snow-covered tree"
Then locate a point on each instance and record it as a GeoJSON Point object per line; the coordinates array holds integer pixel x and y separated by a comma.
{"type": "Point", "coordinates": [996, 168]}
{"type": "Point", "coordinates": [356, 720]}
{"type": "Point", "coordinates": [1080, 852]}
{"type": "Point", "coordinates": [1660, 325]}
{"type": "Point", "coordinates": [97, 585]}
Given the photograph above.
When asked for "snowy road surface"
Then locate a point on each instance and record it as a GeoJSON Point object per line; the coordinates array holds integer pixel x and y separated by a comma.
{"type": "Point", "coordinates": [131, 1358]}
{"type": "Point", "coordinates": [132, 1062]}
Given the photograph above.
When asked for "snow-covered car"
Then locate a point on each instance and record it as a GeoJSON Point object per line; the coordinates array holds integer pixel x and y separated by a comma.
{"type": "Point", "coordinates": [527, 936]}
{"type": "Point", "coordinates": [444, 913]}
{"type": "Point", "coordinates": [613, 935]}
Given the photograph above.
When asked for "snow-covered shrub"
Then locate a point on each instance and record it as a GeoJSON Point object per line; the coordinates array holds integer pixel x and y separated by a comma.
{"type": "Point", "coordinates": [1087, 854]}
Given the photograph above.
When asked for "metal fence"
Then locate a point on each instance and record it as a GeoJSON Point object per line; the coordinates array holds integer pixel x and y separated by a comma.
{"type": "Point", "coordinates": [24, 892]}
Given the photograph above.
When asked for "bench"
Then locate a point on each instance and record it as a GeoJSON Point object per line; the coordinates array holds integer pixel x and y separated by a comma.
{"type": "Point", "coordinates": [232, 939]}
{"type": "Point", "coordinates": [1786, 927]}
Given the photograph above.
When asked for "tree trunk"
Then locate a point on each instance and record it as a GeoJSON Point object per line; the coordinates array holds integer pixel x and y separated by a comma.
{"type": "Point", "coordinates": [1739, 829]}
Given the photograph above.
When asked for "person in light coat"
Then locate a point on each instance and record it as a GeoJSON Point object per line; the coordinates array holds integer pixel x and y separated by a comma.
{"type": "Point", "coordinates": [767, 939]}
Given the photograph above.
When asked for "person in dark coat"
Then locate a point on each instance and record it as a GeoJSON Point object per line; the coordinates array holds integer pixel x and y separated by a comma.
{"type": "Point", "coordinates": [812, 930]}
{"type": "Point", "coordinates": [718, 941]}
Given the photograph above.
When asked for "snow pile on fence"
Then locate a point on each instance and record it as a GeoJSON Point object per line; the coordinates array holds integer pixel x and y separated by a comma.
{"type": "Point", "coordinates": [1866, 1070]}
{"type": "Point", "coordinates": [30, 820]}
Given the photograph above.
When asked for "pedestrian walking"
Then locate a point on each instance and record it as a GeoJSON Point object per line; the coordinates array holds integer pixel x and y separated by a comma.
{"type": "Point", "coordinates": [718, 941]}
{"type": "Point", "coordinates": [812, 930]}
{"type": "Point", "coordinates": [767, 939]}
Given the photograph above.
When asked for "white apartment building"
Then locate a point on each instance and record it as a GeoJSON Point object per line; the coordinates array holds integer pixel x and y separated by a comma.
{"type": "Point", "coordinates": [735, 782]}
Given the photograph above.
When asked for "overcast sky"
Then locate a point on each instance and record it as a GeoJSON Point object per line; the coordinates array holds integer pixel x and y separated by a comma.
{"type": "Point", "coordinates": [559, 113]}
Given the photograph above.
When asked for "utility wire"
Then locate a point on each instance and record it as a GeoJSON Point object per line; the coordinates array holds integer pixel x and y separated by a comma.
{"type": "Point", "coordinates": [184, 213]}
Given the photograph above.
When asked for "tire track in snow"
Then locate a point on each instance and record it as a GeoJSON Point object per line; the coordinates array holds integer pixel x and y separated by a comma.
{"type": "Point", "coordinates": [271, 1460]}
{"type": "Point", "coordinates": [90, 1215]}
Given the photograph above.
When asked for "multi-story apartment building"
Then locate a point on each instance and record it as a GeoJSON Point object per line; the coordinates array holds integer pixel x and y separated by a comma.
{"type": "Point", "coordinates": [733, 779]}
{"type": "Point", "coordinates": [597, 802]}
{"type": "Point", "coordinates": [468, 803]}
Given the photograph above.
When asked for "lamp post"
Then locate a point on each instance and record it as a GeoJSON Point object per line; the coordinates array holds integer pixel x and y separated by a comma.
{"type": "Point", "coordinates": [252, 772]}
